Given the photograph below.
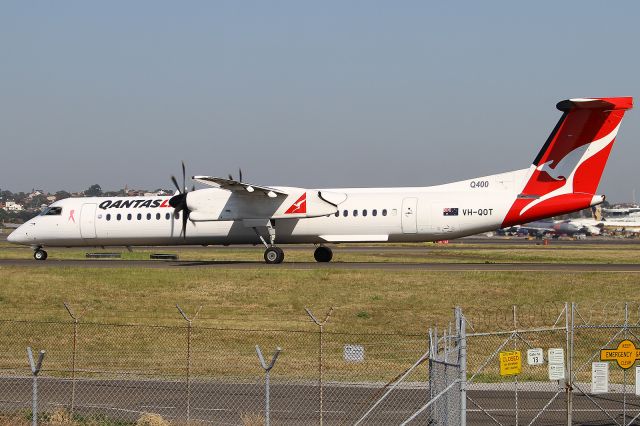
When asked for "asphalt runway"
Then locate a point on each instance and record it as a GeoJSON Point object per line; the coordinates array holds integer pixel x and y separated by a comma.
{"type": "Point", "coordinates": [441, 267]}
{"type": "Point", "coordinates": [297, 403]}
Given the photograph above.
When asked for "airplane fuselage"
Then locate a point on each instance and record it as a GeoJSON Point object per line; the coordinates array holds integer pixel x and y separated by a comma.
{"type": "Point", "coordinates": [563, 178]}
{"type": "Point", "coordinates": [366, 215]}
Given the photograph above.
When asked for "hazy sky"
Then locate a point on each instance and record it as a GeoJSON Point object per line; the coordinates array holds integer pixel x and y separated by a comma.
{"type": "Point", "coordinates": [317, 94]}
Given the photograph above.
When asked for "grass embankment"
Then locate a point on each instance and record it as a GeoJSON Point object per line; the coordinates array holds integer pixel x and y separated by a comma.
{"type": "Point", "coordinates": [367, 302]}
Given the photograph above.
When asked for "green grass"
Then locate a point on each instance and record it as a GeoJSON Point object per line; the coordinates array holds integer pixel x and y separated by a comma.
{"type": "Point", "coordinates": [365, 300]}
{"type": "Point", "coordinates": [388, 312]}
{"type": "Point", "coordinates": [367, 304]}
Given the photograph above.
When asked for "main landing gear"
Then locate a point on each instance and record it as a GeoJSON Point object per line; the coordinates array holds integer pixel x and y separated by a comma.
{"type": "Point", "coordinates": [323, 254]}
{"type": "Point", "coordinates": [272, 255]}
{"type": "Point", "coordinates": [40, 254]}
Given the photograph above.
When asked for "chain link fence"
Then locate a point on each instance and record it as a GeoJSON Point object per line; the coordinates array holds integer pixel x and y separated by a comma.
{"type": "Point", "coordinates": [109, 373]}
{"type": "Point", "coordinates": [197, 374]}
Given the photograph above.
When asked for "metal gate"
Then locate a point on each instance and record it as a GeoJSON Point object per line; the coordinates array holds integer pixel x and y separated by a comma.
{"type": "Point", "coordinates": [88, 221]}
{"type": "Point", "coordinates": [615, 401]}
{"type": "Point", "coordinates": [525, 395]}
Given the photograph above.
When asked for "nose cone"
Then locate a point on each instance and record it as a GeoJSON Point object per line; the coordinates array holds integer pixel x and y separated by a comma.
{"type": "Point", "coordinates": [18, 236]}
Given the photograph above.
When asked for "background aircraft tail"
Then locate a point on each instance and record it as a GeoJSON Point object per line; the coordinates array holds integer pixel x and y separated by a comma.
{"type": "Point", "coordinates": [566, 172]}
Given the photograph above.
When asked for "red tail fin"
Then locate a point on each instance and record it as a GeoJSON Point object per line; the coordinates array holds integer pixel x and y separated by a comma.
{"type": "Point", "coordinates": [566, 172]}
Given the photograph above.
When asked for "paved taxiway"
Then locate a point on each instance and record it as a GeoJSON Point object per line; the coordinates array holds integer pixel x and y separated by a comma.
{"type": "Point", "coordinates": [487, 267]}
{"type": "Point", "coordinates": [293, 403]}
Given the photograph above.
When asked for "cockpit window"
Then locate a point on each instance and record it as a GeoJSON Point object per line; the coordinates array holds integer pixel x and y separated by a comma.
{"type": "Point", "coordinates": [52, 211]}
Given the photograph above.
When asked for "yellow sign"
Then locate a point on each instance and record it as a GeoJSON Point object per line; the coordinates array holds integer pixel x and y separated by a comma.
{"type": "Point", "coordinates": [510, 363]}
{"type": "Point", "coordinates": [625, 354]}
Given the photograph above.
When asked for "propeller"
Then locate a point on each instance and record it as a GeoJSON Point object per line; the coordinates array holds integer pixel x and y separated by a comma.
{"type": "Point", "coordinates": [179, 201]}
{"type": "Point", "coordinates": [239, 175]}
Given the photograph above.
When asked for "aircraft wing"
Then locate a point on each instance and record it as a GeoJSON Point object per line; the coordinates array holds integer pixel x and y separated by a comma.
{"type": "Point", "coordinates": [236, 186]}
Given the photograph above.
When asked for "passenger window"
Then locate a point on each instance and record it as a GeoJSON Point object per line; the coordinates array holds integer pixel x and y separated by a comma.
{"type": "Point", "coordinates": [364, 212]}
{"type": "Point", "coordinates": [345, 213]}
{"type": "Point", "coordinates": [157, 216]}
{"type": "Point", "coordinates": [108, 217]}
{"type": "Point", "coordinates": [118, 216]}
{"type": "Point", "coordinates": [129, 216]}
{"type": "Point", "coordinates": [337, 214]}
{"type": "Point", "coordinates": [355, 213]}
{"type": "Point", "coordinates": [139, 216]}
{"type": "Point", "coordinates": [167, 216]}
{"type": "Point", "coordinates": [148, 216]}
{"type": "Point", "coordinates": [176, 216]}
{"type": "Point", "coordinates": [394, 212]}
{"type": "Point", "coordinates": [384, 212]}
{"type": "Point", "coordinates": [374, 212]}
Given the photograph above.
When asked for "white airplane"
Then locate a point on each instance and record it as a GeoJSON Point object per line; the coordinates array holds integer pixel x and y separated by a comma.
{"type": "Point", "coordinates": [558, 227]}
{"type": "Point", "coordinates": [563, 178]}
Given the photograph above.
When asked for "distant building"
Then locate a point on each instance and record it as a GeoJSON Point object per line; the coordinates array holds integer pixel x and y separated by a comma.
{"type": "Point", "coordinates": [13, 206]}
{"type": "Point", "coordinates": [35, 193]}
{"type": "Point", "coordinates": [159, 193]}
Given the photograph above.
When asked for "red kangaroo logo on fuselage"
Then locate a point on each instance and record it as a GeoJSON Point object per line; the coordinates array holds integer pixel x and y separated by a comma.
{"type": "Point", "coordinates": [300, 206]}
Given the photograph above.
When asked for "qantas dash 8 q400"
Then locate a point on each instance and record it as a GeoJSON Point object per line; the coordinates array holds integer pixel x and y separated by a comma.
{"type": "Point", "coordinates": [563, 178]}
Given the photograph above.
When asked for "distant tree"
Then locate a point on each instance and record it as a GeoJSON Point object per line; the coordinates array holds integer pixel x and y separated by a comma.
{"type": "Point", "coordinates": [93, 191]}
{"type": "Point", "coordinates": [62, 194]}
{"type": "Point", "coordinates": [36, 202]}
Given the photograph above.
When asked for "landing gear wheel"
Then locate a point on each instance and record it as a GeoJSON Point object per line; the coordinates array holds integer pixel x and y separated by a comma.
{"type": "Point", "coordinates": [323, 254]}
{"type": "Point", "coordinates": [40, 254]}
{"type": "Point", "coordinates": [273, 255]}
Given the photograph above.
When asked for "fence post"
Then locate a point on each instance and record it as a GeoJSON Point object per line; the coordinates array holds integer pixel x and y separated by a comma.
{"type": "Point", "coordinates": [189, 323]}
{"type": "Point", "coordinates": [462, 361]}
{"type": "Point", "coordinates": [515, 348]}
{"type": "Point", "coordinates": [267, 370]}
{"type": "Point", "coordinates": [35, 369]}
{"type": "Point", "coordinates": [73, 355]}
{"type": "Point", "coordinates": [320, 353]}
{"type": "Point", "coordinates": [569, 325]}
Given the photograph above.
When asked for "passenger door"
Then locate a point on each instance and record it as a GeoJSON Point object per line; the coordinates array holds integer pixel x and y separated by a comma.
{"type": "Point", "coordinates": [409, 215]}
{"type": "Point", "coordinates": [88, 221]}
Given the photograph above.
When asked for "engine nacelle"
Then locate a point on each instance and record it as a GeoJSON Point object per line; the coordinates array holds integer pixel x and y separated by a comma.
{"type": "Point", "coordinates": [214, 204]}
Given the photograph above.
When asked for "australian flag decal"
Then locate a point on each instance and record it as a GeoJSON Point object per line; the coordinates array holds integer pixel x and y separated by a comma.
{"type": "Point", "coordinates": [450, 211]}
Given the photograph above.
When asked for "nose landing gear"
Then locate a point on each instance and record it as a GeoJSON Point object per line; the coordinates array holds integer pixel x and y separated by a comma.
{"type": "Point", "coordinates": [40, 254]}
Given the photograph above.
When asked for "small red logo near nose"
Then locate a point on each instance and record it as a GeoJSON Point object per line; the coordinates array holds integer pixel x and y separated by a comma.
{"type": "Point", "coordinates": [300, 206]}
{"type": "Point", "coordinates": [71, 217]}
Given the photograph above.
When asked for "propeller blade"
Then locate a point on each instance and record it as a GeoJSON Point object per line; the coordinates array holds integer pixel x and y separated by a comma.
{"type": "Point", "coordinates": [240, 174]}
{"type": "Point", "coordinates": [230, 177]}
{"type": "Point", "coordinates": [175, 182]}
{"type": "Point", "coordinates": [185, 217]}
{"type": "Point", "coordinates": [184, 177]}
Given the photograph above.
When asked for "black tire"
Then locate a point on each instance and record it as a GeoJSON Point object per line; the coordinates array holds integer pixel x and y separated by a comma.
{"type": "Point", "coordinates": [40, 255]}
{"type": "Point", "coordinates": [273, 255]}
{"type": "Point", "coordinates": [323, 254]}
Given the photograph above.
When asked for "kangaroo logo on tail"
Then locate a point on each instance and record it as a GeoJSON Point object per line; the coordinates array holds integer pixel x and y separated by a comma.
{"type": "Point", "coordinates": [565, 174]}
{"type": "Point", "coordinates": [567, 166]}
